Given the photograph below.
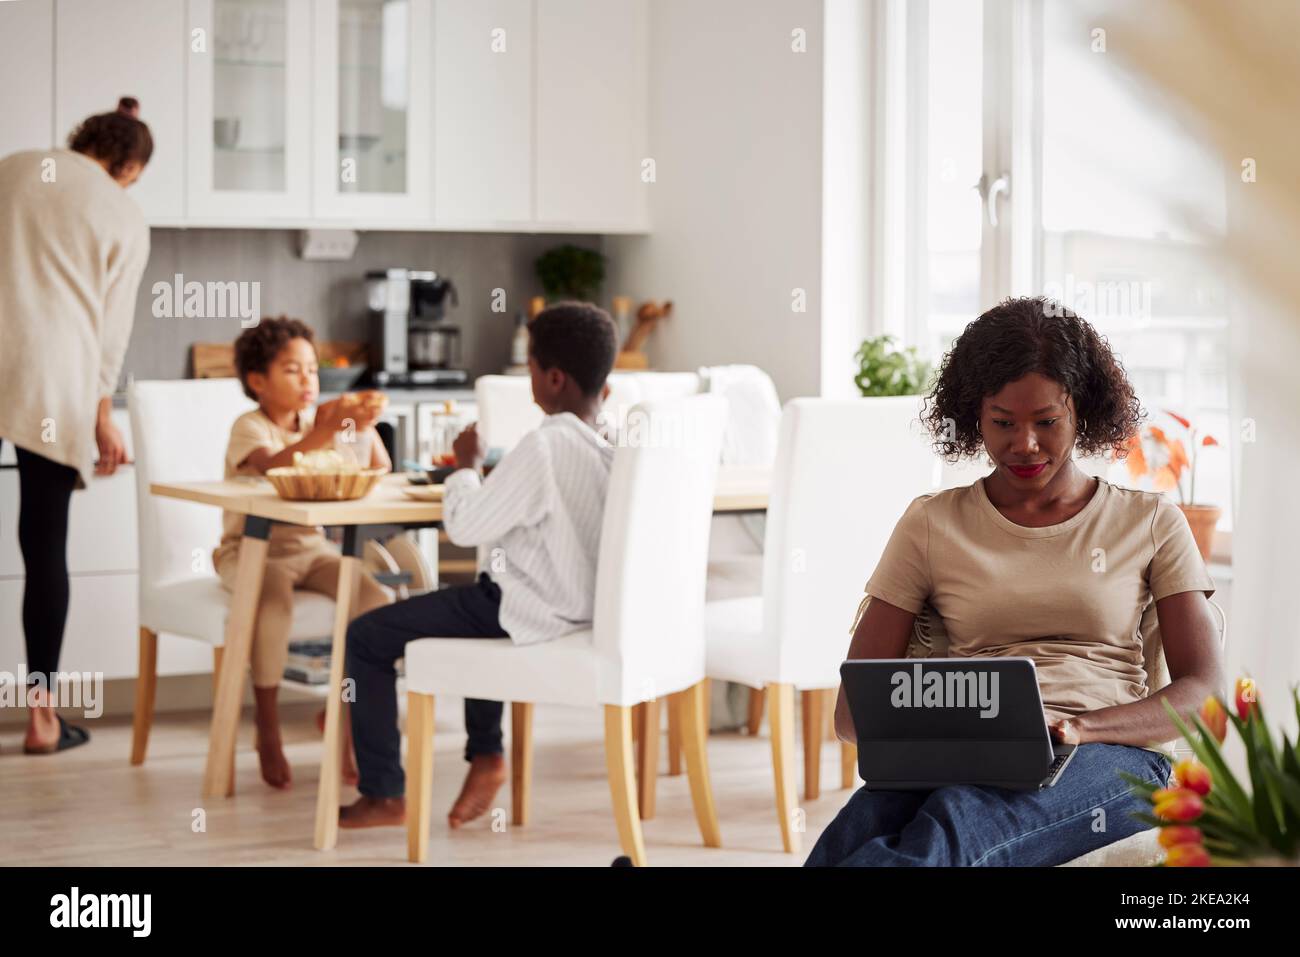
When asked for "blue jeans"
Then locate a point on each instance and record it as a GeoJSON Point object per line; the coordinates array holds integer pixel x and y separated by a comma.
{"type": "Point", "coordinates": [963, 825]}
{"type": "Point", "coordinates": [377, 639]}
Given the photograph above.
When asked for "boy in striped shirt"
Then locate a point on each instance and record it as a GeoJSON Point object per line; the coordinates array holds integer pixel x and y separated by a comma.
{"type": "Point", "coordinates": [539, 514]}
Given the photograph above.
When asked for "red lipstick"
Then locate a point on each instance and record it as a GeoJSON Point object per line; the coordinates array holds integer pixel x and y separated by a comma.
{"type": "Point", "coordinates": [1027, 471]}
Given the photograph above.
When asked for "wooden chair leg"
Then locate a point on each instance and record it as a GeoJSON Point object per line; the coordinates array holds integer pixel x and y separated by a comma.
{"type": "Point", "coordinates": [638, 722]}
{"type": "Point", "coordinates": [419, 776]}
{"type": "Point", "coordinates": [647, 757]}
{"type": "Point", "coordinates": [780, 716]}
{"type": "Point", "coordinates": [620, 766]}
{"type": "Point", "coordinates": [674, 744]}
{"type": "Point", "coordinates": [755, 711]}
{"type": "Point", "coordinates": [521, 762]}
{"type": "Point", "coordinates": [146, 686]}
{"type": "Point", "coordinates": [812, 744]}
{"type": "Point", "coordinates": [848, 764]}
{"type": "Point", "coordinates": [708, 704]}
{"type": "Point", "coordinates": [828, 708]}
{"type": "Point", "coordinates": [689, 705]}
{"type": "Point", "coordinates": [218, 656]}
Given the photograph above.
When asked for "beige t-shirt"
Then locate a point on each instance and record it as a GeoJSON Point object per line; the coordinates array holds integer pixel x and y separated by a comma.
{"type": "Point", "coordinates": [1069, 596]}
{"type": "Point", "coordinates": [251, 431]}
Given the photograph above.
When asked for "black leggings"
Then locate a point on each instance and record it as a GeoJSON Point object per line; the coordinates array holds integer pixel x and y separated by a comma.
{"type": "Point", "coordinates": [45, 492]}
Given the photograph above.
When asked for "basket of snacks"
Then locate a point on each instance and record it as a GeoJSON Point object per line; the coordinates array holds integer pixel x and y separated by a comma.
{"type": "Point", "coordinates": [324, 475]}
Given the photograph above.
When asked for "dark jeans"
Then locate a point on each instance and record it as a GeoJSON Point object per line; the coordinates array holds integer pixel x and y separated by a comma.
{"type": "Point", "coordinates": [962, 825]}
{"type": "Point", "coordinates": [377, 639]}
{"type": "Point", "coordinates": [45, 492]}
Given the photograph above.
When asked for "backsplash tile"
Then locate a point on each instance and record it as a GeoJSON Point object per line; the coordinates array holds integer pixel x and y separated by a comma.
{"type": "Point", "coordinates": [330, 296]}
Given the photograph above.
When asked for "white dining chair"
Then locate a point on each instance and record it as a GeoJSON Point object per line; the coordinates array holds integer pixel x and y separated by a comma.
{"type": "Point", "coordinates": [506, 410]}
{"type": "Point", "coordinates": [646, 641]}
{"type": "Point", "coordinates": [180, 429]}
{"type": "Point", "coordinates": [845, 471]}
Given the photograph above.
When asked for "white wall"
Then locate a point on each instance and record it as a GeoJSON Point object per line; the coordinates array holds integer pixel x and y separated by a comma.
{"type": "Point", "coordinates": [736, 209]}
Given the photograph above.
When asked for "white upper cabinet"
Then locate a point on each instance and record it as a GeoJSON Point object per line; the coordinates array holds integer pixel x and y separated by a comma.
{"type": "Point", "coordinates": [373, 93]}
{"type": "Point", "coordinates": [26, 76]}
{"type": "Point", "coordinates": [592, 95]}
{"type": "Point", "coordinates": [107, 49]}
{"type": "Point", "coordinates": [483, 112]}
{"type": "Point", "coordinates": [249, 115]}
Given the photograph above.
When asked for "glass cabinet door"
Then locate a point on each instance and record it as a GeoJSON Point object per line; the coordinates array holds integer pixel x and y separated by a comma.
{"type": "Point", "coordinates": [249, 78]}
{"type": "Point", "coordinates": [374, 108]}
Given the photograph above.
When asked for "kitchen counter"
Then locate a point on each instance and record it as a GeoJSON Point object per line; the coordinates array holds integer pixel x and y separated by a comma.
{"type": "Point", "coordinates": [460, 393]}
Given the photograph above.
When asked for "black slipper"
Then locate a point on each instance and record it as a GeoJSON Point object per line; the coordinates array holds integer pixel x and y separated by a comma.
{"type": "Point", "coordinates": [70, 736]}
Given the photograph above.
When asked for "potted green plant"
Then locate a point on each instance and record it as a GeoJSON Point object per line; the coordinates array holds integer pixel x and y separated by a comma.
{"type": "Point", "coordinates": [570, 272]}
{"type": "Point", "coordinates": [1153, 453]}
{"type": "Point", "coordinates": [1208, 817]}
{"type": "Point", "coordinates": [885, 370]}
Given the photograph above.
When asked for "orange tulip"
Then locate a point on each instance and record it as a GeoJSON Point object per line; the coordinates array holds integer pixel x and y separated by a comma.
{"type": "Point", "coordinates": [1247, 694]}
{"type": "Point", "coordinates": [1182, 805]}
{"type": "Point", "coordinates": [1176, 834]}
{"type": "Point", "coordinates": [1209, 440]}
{"type": "Point", "coordinates": [1135, 459]}
{"type": "Point", "coordinates": [1215, 718]}
{"type": "Point", "coordinates": [1193, 775]}
{"type": "Point", "coordinates": [1178, 418]}
{"type": "Point", "coordinates": [1187, 855]}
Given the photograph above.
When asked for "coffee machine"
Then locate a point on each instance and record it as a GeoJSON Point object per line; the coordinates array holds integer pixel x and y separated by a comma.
{"type": "Point", "coordinates": [411, 344]}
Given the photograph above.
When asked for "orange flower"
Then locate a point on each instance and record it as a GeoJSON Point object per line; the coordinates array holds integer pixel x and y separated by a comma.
{"type": "Point", "coordinates": [1136, 459]}
{"type": "Point", "coordinates": [1215, 718]}
{"type": "Point", "coordinates": [1177, 457]}
{"type": "Point", "coordinates": [1178, 418]}
{"type": "Point", "coordinates": [1179, 804]}
{"type": "Point", "coordinates": [1187, 855]}
{"type": "Point", "coordinates": [1209, 440]}
{"type": "Point", "coordinates": [1176, 834]}
{"type": "Point", "coordinates": [1193, 775]}
{"type": "Point", "coordinates": [1247, 694]}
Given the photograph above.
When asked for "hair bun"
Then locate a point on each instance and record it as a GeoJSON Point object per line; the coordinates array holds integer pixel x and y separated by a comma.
{"type": "Point", "coordinates": [129, 105]}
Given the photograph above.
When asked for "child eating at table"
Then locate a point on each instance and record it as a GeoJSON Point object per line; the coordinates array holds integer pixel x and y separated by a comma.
{"type": "Point", "coordinates": [540, 513]}
{"type": "Point", "coordinates": [277, 365]}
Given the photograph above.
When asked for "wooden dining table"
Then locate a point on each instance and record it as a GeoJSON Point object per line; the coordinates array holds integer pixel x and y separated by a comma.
{"type": "Point", "coordinates": [738, 491]}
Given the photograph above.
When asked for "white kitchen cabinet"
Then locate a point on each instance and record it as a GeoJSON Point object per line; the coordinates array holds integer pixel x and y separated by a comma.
{"type": "Point", "coordinates": [483, 112]}
{"type": "Point", "coordinates": [101, 525]}
{"type": "Point", "coordinates": [592, 90]}
{"type": "Point", "coordinates": [249, 112]}
{"type": "Point", "coordinates": [101, 519]}
{"type": "Point", "coordinates": [102, 633]}
{"type": "Point", "coordinates": [107, 49]}
{"type": "Point", "coordinates": [373, 93]}
{"type": "Point", "coordinates": [26, 76]}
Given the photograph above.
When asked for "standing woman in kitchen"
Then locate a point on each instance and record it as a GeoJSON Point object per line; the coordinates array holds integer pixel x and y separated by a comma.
{"type": "Point", "coordinates": [72, 249]}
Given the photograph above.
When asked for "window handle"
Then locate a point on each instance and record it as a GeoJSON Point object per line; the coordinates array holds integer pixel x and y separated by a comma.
{"type": "Point", "coordinates": [989, 193]}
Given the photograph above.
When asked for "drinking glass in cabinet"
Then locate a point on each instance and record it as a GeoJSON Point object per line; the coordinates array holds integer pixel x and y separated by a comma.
{"type": "Point", "coordinates": [248, 88]}
{"type": "Point", "coordinates": [374, 95]}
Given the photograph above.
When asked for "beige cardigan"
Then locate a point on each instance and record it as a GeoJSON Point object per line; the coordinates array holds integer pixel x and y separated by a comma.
{"type": "Point", "coordinates": [73, 246]}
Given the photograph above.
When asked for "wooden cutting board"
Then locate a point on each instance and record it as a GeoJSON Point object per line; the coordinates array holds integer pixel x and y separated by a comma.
{"type": "Point", "coordinates": [216, 360]}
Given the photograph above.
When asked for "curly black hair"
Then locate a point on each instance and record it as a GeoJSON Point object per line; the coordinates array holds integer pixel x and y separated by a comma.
{"type": "Point", "coordinates": [116, 138]}
{"type": "Point", "coordinates": [257, 346]}
{"type": "Point", "coordinates": [579, 338]}
{"type": "Point", "coordinates": [1011, 340]}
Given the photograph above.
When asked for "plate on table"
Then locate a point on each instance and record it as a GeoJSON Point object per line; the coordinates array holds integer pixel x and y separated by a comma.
{"type": "Point", "coordinates": [423, 493]}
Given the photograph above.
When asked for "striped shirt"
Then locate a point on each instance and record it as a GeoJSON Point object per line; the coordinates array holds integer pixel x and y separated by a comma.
{"type": "Point", "coordinates": [539, 516]}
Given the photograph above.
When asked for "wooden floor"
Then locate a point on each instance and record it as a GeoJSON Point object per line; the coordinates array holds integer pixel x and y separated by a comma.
{"type": "Point", "coordinates": [90, 807]}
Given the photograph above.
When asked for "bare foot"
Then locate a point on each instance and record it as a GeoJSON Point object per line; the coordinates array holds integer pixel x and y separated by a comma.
{"type": "Point", "coordinates": [373, 812]}
{"type": "Point", "coordinates": [275, 766]}
{"type": "Point", "coordinates": [42, 722]}
{"type": "Point", "coordinates": [270, 751]}
{"type": "Point", "coordinates": [487, 772]}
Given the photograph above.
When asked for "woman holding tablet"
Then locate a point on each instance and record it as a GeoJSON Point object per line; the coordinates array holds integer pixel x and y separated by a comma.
{"type": "Point", "coordinates": [1036, 559]}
